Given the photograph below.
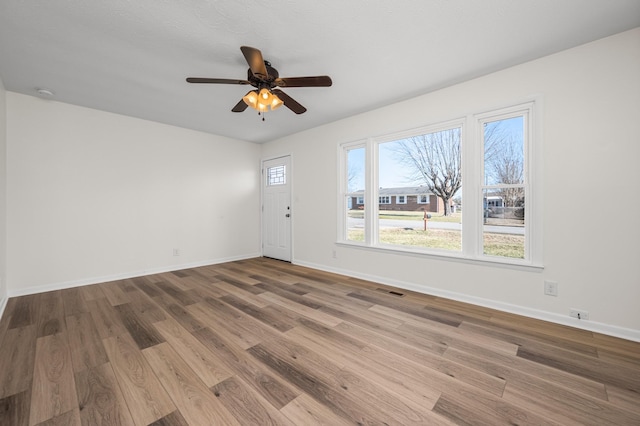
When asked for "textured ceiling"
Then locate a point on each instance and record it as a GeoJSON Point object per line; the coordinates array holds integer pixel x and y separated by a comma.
{"type": "Point", "coordinates": [132, 57]}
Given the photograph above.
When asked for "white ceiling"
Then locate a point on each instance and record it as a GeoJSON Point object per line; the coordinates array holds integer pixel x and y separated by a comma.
{"type": "Point", "coordinates": [132, 57]}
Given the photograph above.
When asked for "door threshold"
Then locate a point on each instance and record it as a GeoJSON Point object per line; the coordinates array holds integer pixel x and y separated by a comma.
{"type": "Point", "coordinates": [279, 260]}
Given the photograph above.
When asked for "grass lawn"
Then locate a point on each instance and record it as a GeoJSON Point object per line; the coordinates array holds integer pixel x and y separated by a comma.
{"type": "Point", "coordinates": [504, 245]}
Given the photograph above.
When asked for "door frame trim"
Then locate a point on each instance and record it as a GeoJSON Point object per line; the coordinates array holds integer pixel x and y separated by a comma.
{"type": "Point", "coordinates": [291, 201]}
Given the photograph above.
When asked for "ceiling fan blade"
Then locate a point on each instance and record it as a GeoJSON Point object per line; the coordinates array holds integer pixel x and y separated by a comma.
{"type": "Point", "coordinates": [215, 80]}
{"type": "Point", "coordinates": [255, 61]}
{"type": "Point", "coordinates": [317, 81]}
{"type": "Point", "coordinates": [289, 102]}
{"type": "Point", "coordinates": [240, 106]}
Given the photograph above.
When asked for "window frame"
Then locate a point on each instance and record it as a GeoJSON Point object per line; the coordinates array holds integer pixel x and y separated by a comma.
{"type": "Point", "coordinates": [387, 197]}
{"type": "Point", "coordinates": [472, 164]}
{"type": "Point", "coordinates": [404, 199]}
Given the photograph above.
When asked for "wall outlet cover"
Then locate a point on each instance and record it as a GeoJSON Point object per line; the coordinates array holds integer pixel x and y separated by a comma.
{"type": "Point", "coordinates": [550, 288]}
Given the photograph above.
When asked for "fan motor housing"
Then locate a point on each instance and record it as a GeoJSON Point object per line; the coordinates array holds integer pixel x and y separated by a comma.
{"type": "Point", "coordinates": [257, 81]}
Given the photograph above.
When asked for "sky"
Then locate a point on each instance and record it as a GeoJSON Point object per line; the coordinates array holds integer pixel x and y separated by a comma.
{"type": "Point", "coordinates": [392, 173]}
{"type": "Point", "coordinates": [390, 170]}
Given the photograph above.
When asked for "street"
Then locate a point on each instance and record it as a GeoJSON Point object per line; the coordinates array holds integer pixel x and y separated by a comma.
{"type": "Point", "coordinates": [419, 225]}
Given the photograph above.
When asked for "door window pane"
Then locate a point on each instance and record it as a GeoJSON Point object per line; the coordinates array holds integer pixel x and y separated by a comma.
{"type": "Point", "coordinates": [276, 175]}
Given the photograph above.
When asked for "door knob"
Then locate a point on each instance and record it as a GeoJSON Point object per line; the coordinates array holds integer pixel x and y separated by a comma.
{"type": "Point", "coordinates": [287, 215]}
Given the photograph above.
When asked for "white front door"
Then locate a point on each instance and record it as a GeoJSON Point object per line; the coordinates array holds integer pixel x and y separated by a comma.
{"type": "Point", "coordinates": [276, 208]}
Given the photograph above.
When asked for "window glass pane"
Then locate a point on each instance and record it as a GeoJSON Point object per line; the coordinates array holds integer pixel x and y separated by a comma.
{"type": "Point", "coordinates": [355, 222]}
{"type": "Point", "coordinates": [355, 170]}
{"type": "Point", "coordinates": [421, 176]}
{"type": "Point", "coordinates": [504, 151]}
{"type": "Point", "coordinates": [276, 175]}
{"type": "Point", "coordinates": [504, 190]}
{"type": "Point", "coordinates": [354, 217]}
{"type": "Point", "coordinates": [503, 229]}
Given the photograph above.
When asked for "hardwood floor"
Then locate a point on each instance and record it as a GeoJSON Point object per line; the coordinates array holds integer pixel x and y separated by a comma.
{"type": "Point", "coordinates": [260, 342]}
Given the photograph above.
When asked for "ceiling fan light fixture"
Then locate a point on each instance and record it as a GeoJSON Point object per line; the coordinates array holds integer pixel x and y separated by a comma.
{"type": "Point", "coordinates": [262, 107]}
{"type": "Point", "coordinates": [251, 99]}
{"type": "Point", "coordinates": [262, 100]}
{"type": "Point", "coordinates": [276, 102]}
{"type": "Point", "coordinates": [265, 97]}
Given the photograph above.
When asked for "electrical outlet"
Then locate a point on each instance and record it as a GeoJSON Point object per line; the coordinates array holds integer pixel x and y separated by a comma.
{"type": "Point", "coordinates": [176, 252]}
{"type": "Point", "coordinates": [551, 288]}
{"type": "Point", "coordinates": [576, 313]}
{"type": "Point", "coordinates": [334, 254]}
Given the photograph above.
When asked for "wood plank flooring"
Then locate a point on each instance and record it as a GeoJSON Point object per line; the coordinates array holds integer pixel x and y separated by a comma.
{"type": "Point", "coordinates": [260, 342]}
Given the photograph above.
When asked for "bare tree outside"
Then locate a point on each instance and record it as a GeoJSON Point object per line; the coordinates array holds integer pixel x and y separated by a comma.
{"type": "Point", "coordinates": [434, 159]}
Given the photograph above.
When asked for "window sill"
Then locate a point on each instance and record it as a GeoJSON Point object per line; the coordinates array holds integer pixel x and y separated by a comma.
{"type": "Point", "coordinates": [446, 256]}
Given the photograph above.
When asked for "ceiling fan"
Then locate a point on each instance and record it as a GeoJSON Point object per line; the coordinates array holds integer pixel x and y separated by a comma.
{"type": "Point", "coordinates": [266, 80]}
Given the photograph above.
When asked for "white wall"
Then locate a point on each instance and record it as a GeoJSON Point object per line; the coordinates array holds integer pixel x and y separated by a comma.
{"type": "Point", "coordinates": [93, 196]}
{"type": "Point", "coordinates": [591, 149]}
{"type": "Point", "coordinates": [3, 197]}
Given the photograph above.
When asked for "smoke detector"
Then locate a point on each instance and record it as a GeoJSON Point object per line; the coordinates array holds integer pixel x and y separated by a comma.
{"type": "Point", "coordinates": [44, 92]}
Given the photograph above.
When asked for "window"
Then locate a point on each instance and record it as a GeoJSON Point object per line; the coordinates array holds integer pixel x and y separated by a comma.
{"type": "Point", "coordinates": [354, 186]}
{"type": "Point", "coordinates": [276, 175]}
{"type": "Point", "coordinates": [500, 221]}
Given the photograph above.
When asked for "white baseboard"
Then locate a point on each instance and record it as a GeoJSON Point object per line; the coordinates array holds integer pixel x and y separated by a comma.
{"type": "Point", "coordinates": [3, 305]}
{"type": "Point", "coordinates": [132, 274]}
{"type": "Point", "coordinates": [597, 327]}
